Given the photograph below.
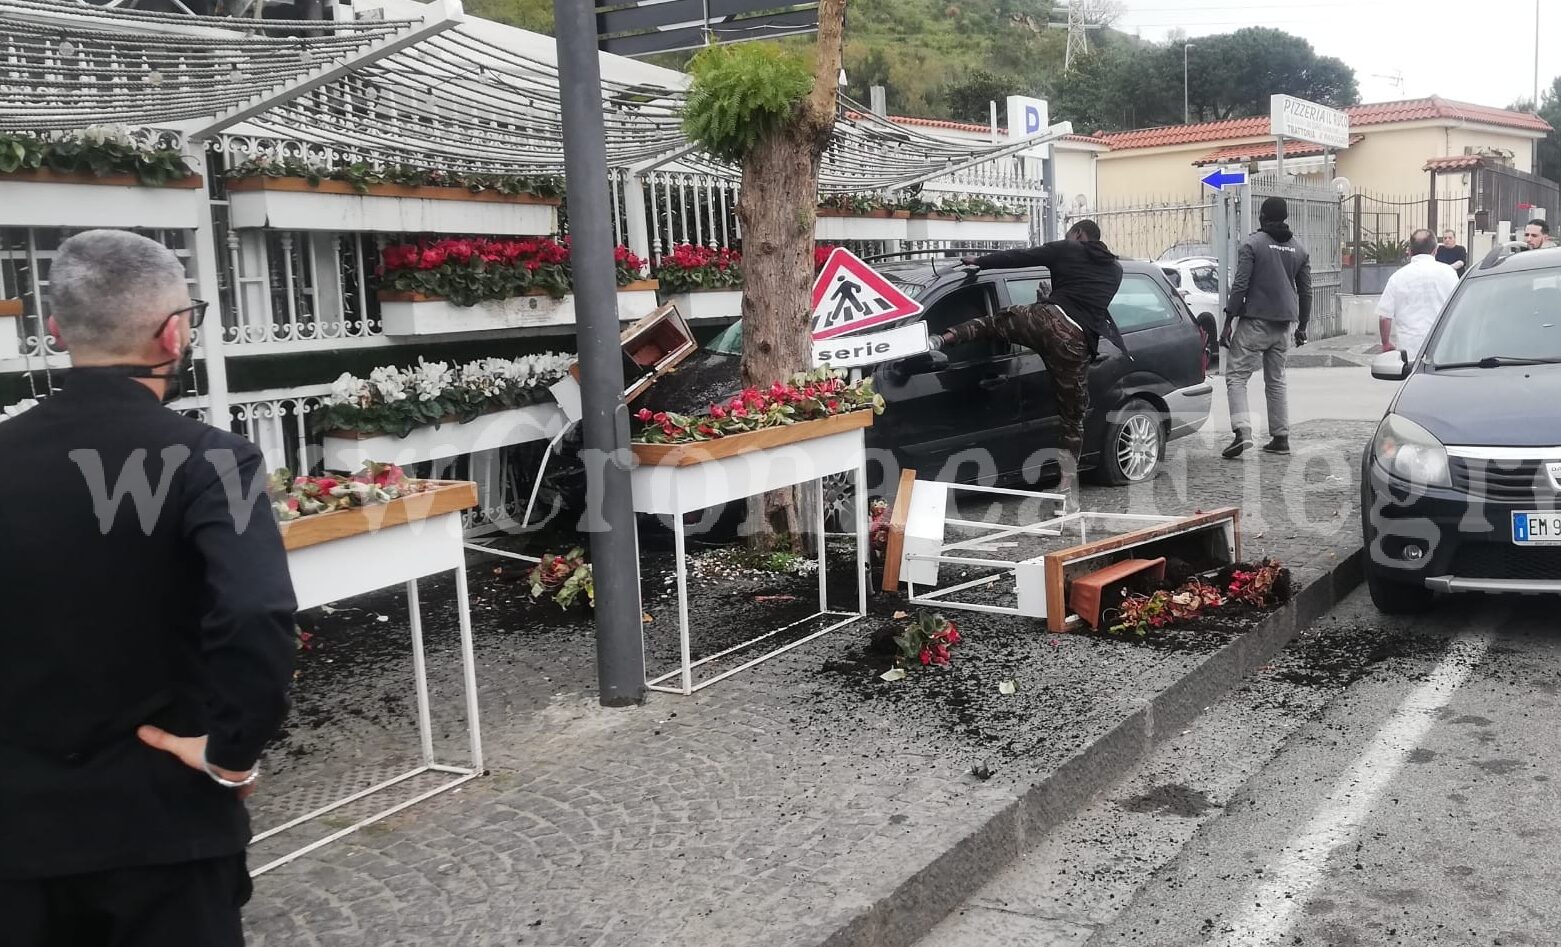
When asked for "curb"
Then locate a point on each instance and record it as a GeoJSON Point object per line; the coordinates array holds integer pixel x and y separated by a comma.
{"type": "Point", "coordinates": [924, 899]}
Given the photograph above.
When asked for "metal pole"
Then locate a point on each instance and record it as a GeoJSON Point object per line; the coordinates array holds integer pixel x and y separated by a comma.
{"type": "Point", "coordinates": [1356, 255]}
{"type": "Point", "coordinates": [620, 652]}
{"type": "Point", "coordinates": [1049, 184]}
{"type": "Point", "coordinates": [1186, 99]}
{"type": "Point", "coordinates": [209, 284]}
{"type": "Point", "coordinates": [1279, 159]}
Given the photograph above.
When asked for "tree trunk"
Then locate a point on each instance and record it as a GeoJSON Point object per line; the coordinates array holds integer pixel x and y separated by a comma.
{"type": "Point", "coordinates": [777, 208]}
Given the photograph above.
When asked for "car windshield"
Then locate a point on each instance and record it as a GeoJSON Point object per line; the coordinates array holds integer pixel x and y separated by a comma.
{"type": "Point", "coordinates": [1514, 318]}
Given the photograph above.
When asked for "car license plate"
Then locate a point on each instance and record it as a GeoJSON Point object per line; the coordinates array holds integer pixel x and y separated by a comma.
{"type": "Point", "coordinates": [1536, 528]}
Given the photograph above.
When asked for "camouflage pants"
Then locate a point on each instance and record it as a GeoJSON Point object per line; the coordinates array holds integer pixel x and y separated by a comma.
{"type": "Point", "coordinates": [1062, 345]}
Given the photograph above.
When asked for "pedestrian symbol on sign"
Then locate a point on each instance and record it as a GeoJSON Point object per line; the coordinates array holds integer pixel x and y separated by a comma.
{"type": "Point", "coordinates": [849, 296]}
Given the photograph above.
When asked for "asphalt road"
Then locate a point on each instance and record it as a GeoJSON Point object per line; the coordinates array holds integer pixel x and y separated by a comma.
{"type": "Point", "coordinates": [1383, 782]}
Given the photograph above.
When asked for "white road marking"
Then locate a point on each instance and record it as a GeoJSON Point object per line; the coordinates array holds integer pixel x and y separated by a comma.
{"type": "Point", "coordinates": [1272, 904]}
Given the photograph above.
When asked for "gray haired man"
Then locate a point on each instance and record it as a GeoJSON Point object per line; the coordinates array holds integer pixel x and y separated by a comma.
{"type": "Point", "coordinates": [1270, 305]}
{"type": "Point", "coordinates": [149, 658]}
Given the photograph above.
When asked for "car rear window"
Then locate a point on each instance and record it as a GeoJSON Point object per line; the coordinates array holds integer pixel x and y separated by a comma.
{"type": "Point", "coordinates": [1139, 304]}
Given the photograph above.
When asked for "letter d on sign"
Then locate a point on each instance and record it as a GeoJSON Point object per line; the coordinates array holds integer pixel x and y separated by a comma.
{"type": "Point", "coordinates": [1032, 120]}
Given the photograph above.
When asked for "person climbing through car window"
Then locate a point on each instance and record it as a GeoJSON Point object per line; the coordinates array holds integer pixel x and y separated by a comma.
{"type": "Point", "coordinates": [1064, 328]}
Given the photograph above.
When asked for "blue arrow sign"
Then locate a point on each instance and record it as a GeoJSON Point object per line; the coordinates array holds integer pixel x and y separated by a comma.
{"type": "Point", "coordinates": [1220, 179]}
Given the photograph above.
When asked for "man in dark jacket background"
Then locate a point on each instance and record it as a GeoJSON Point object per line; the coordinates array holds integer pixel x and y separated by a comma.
{"type": "Point", "coordinates": [1269, 307]}
{"type": "Point", "coordinates": [1064, 328]}
{"type": "Point", "coordinates": [147, 628]}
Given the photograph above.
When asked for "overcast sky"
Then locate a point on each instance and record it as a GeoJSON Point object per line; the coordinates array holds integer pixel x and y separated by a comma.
{"type": "Point", "coordinates": [1480, 52]}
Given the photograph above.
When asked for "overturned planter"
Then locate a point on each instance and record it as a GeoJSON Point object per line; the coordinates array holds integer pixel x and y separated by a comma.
{"type": "Point", "coordinates": [417, 314]}
{"type": "Point", "coordinates": [296, 204]}
{"type": "Point", "coordinates": [44, 198]}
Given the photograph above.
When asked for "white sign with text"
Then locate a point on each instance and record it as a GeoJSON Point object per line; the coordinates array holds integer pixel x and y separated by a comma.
{"type": "Point", "coordinates": [854, 351]}
{"type": "Point", "coordinates": [1307, 121]}
{"type": "Point", "coordinates": [1028, 116]}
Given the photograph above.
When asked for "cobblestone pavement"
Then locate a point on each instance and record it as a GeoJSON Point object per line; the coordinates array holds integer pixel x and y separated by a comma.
{"type": "Point", "coordinates": [768, 809]}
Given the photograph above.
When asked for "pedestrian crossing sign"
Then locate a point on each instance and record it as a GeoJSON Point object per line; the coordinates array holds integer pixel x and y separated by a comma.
{"type": "Point", "coordinates": [850, 296]}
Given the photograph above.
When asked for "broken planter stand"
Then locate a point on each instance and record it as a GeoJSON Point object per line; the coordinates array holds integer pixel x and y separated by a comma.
{"type": "Point", "coordinates": [676, 479]}
{"type": "Point", "coordinates": [1065, 559]}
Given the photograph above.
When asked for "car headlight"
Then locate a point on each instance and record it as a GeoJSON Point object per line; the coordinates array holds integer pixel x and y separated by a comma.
{"type": "Point", "coordinates": [1410, 452]}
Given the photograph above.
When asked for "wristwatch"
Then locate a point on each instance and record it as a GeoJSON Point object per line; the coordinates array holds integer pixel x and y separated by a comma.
{"type": "Point", "coordinates": [254, 775]}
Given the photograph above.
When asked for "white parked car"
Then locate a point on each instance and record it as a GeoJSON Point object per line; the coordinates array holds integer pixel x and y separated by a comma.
{"type": "Point", "coordinates": [1197, 280]}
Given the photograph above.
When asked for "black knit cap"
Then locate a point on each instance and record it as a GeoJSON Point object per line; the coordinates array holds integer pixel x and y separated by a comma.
{"type": "Point", "coordinates": [1274, 210]}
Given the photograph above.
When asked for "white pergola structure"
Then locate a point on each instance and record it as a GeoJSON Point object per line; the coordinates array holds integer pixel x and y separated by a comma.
{"type": "Point", "coordinates": [421, 85]}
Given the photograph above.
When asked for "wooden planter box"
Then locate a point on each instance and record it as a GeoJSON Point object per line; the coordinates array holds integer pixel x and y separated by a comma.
{"type": "Point", "coordinates": [334, 556]}
{"type": "Point", "coordinates": [43, 198]}
{"type": "Point", "coordinates": [10, 328]}
{"type": "Point", "coordinates": [882, 213]}
{"type": "Point", "coordinates": [446, 496]}
{"type": "Point", "coordinates": [416, 314]}
{"type": "Point", "coordinates": [708, 304]}
{"type": "Point", "coordinates": [295, 204]}
{"type": "Point", "coordinates": [1089, 595]}
{"type": "Point", "coordinates": [350, 450]}
{"type": "Point", "coordinates": [684, 455]}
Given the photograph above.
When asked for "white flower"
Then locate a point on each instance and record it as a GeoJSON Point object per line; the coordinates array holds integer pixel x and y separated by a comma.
{"type": "Point", "coordinates": [13, 410]}
{"type": "Point", "coordinates": [430, 379]}
{"type": "Point", "coordinates": [348, 389]}
{"type": "Point", "coordinates": [390, 382]}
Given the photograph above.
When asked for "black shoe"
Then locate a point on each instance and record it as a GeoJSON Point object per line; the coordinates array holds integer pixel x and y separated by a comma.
{"type": "Point", "coordinates": [1279, 445]}
{"type": "Point", "coordinates": [1238, 446]}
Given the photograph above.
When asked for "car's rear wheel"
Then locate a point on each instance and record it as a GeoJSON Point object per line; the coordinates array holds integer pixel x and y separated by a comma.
{"type": "Point", "coordinates": [1135, 441]}
{"type": "Point", "coordinates": [1398, 598]}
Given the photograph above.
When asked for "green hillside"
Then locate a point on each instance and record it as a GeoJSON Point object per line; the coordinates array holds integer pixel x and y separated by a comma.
{"type": "Point", "coordinates": [937, 59]}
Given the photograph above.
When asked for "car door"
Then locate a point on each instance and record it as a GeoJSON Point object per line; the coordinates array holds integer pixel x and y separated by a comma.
{"type": "Point", "coordinates": [965, 409]}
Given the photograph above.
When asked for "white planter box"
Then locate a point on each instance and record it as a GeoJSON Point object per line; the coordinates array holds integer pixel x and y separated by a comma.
{"type": "Point", "coordinates": [45, 199]}
{"type": "Point", "coordinates": [835, 229]}
{"type": "Point", "coordinates": [975, 231]}
{"type": "Point", "coordinates": [709, 304]}
{"type": "Point", "coordinates": [10, 332]}
{"type": "Point", "coordinates": [292, 204]}
{"type": "Point", "coordinates": [538, 422]}
{"type": "Point", "coordinates": [438, 316]}
{"type": "Point", "coordinates": [678, 490]}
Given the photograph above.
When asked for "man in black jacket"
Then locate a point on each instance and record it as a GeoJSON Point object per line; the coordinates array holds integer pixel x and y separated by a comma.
{"type": "Point", "coordinates": [1269, 307]}
{"type": "Point", "coordinates": [147, 628]}
{"type": "Point", "coordinates": [1064, 328]}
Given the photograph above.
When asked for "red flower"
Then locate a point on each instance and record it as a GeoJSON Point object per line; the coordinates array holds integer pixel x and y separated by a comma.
{"type": "Point", "coordinates": [643, 414]}
{"type": "Point", "coordinates": [327, 484]}
{"type": "Point", "coordinates": [832, 405]}
{"type": "Point", "coordinates": [660, 417]}
{"type": "Point", "coordinates": [669, 429]}
{"type": "Point", "coordinates": [940, 653]}
{"type": "Point", "coordinates": [432, 258]}
{"type": "Point", "coordinates": [739, 410]}
{"type": "Point", "coordinates": [717, 412]}
{"type": "Point", "coordinates": [925, 656]}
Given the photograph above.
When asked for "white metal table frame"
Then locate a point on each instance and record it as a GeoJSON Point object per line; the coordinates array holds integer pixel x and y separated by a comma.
{"type": "Point", "coordinates": [368, 562]}
{"type": "Point", "coordinates": [675, 491]}
{"type": "Point", "coordinates": [925, 528]}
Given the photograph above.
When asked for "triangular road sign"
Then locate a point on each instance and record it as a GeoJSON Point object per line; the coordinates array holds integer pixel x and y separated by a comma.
{"type": "Point", "coordinates": [850, 296]}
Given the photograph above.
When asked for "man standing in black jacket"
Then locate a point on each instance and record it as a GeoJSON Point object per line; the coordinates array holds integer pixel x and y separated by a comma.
{"type": "Point", "coordinates": [1269, 307]}
{"type": "Point", "coordinates": [1064, 328]}
{"type": "Point", "coordinates": [147, 627]}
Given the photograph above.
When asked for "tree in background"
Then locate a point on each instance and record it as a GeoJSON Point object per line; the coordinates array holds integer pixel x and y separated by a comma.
{"type": "Point", "coordinates": [1549, 110]}
{"type": "Point", "coordinates": [764, 107]}
{"type": "Point", "coordinates": [970, 98]}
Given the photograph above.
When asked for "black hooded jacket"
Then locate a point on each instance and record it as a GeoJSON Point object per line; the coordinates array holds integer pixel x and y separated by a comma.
{"type": "Point", "coordinates": [1084, 279]}
{"type": "Point", "coordinates": [1273, 279]}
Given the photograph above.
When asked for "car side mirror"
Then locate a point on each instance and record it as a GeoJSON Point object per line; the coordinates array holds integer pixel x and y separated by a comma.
{"type": "Point", "coordinates": [1391, 366]}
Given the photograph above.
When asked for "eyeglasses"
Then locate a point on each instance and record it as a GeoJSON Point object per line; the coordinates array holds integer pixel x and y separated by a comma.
{"type": "Point", "coordinates": [196, 310]}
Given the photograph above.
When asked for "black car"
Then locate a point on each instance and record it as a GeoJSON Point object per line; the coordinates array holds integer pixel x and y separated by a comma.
{"type": "Point", "coordinates": [985, 411]}
{"type": "Point", "coordinates": [1461, 486]}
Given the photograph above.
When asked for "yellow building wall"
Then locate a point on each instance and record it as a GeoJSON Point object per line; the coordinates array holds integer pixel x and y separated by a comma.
{"type": "Point", "coordinates": [1151, 174]}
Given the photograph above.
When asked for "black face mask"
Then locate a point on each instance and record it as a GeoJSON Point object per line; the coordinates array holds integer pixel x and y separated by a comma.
{"type": "Point", "coordinates": [173, 380]}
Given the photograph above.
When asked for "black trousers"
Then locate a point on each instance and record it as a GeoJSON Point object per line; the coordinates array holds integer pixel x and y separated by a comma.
{"type": "Point", "coordinates": [194, 904]}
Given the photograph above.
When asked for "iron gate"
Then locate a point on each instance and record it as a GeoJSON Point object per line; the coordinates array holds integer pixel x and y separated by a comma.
{"type": "Point", "coordinates": [1317, 220]}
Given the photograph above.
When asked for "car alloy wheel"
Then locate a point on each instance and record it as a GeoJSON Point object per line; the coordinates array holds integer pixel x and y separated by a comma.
{"type": "Point", "coordinates": [1138, 447]}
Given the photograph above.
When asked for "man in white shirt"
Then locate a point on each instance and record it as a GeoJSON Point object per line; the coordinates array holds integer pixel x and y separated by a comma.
{"type": "Point", "coordinates": [1414, 297]}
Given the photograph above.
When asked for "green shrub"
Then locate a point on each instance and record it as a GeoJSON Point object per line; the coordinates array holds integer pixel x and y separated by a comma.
{"type": "Point", "coordinates": [740, 94]}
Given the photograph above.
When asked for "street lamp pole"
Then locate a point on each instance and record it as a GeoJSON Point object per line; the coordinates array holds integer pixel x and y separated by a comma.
{"type": "Point", "coordinates": [1186, 109]}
